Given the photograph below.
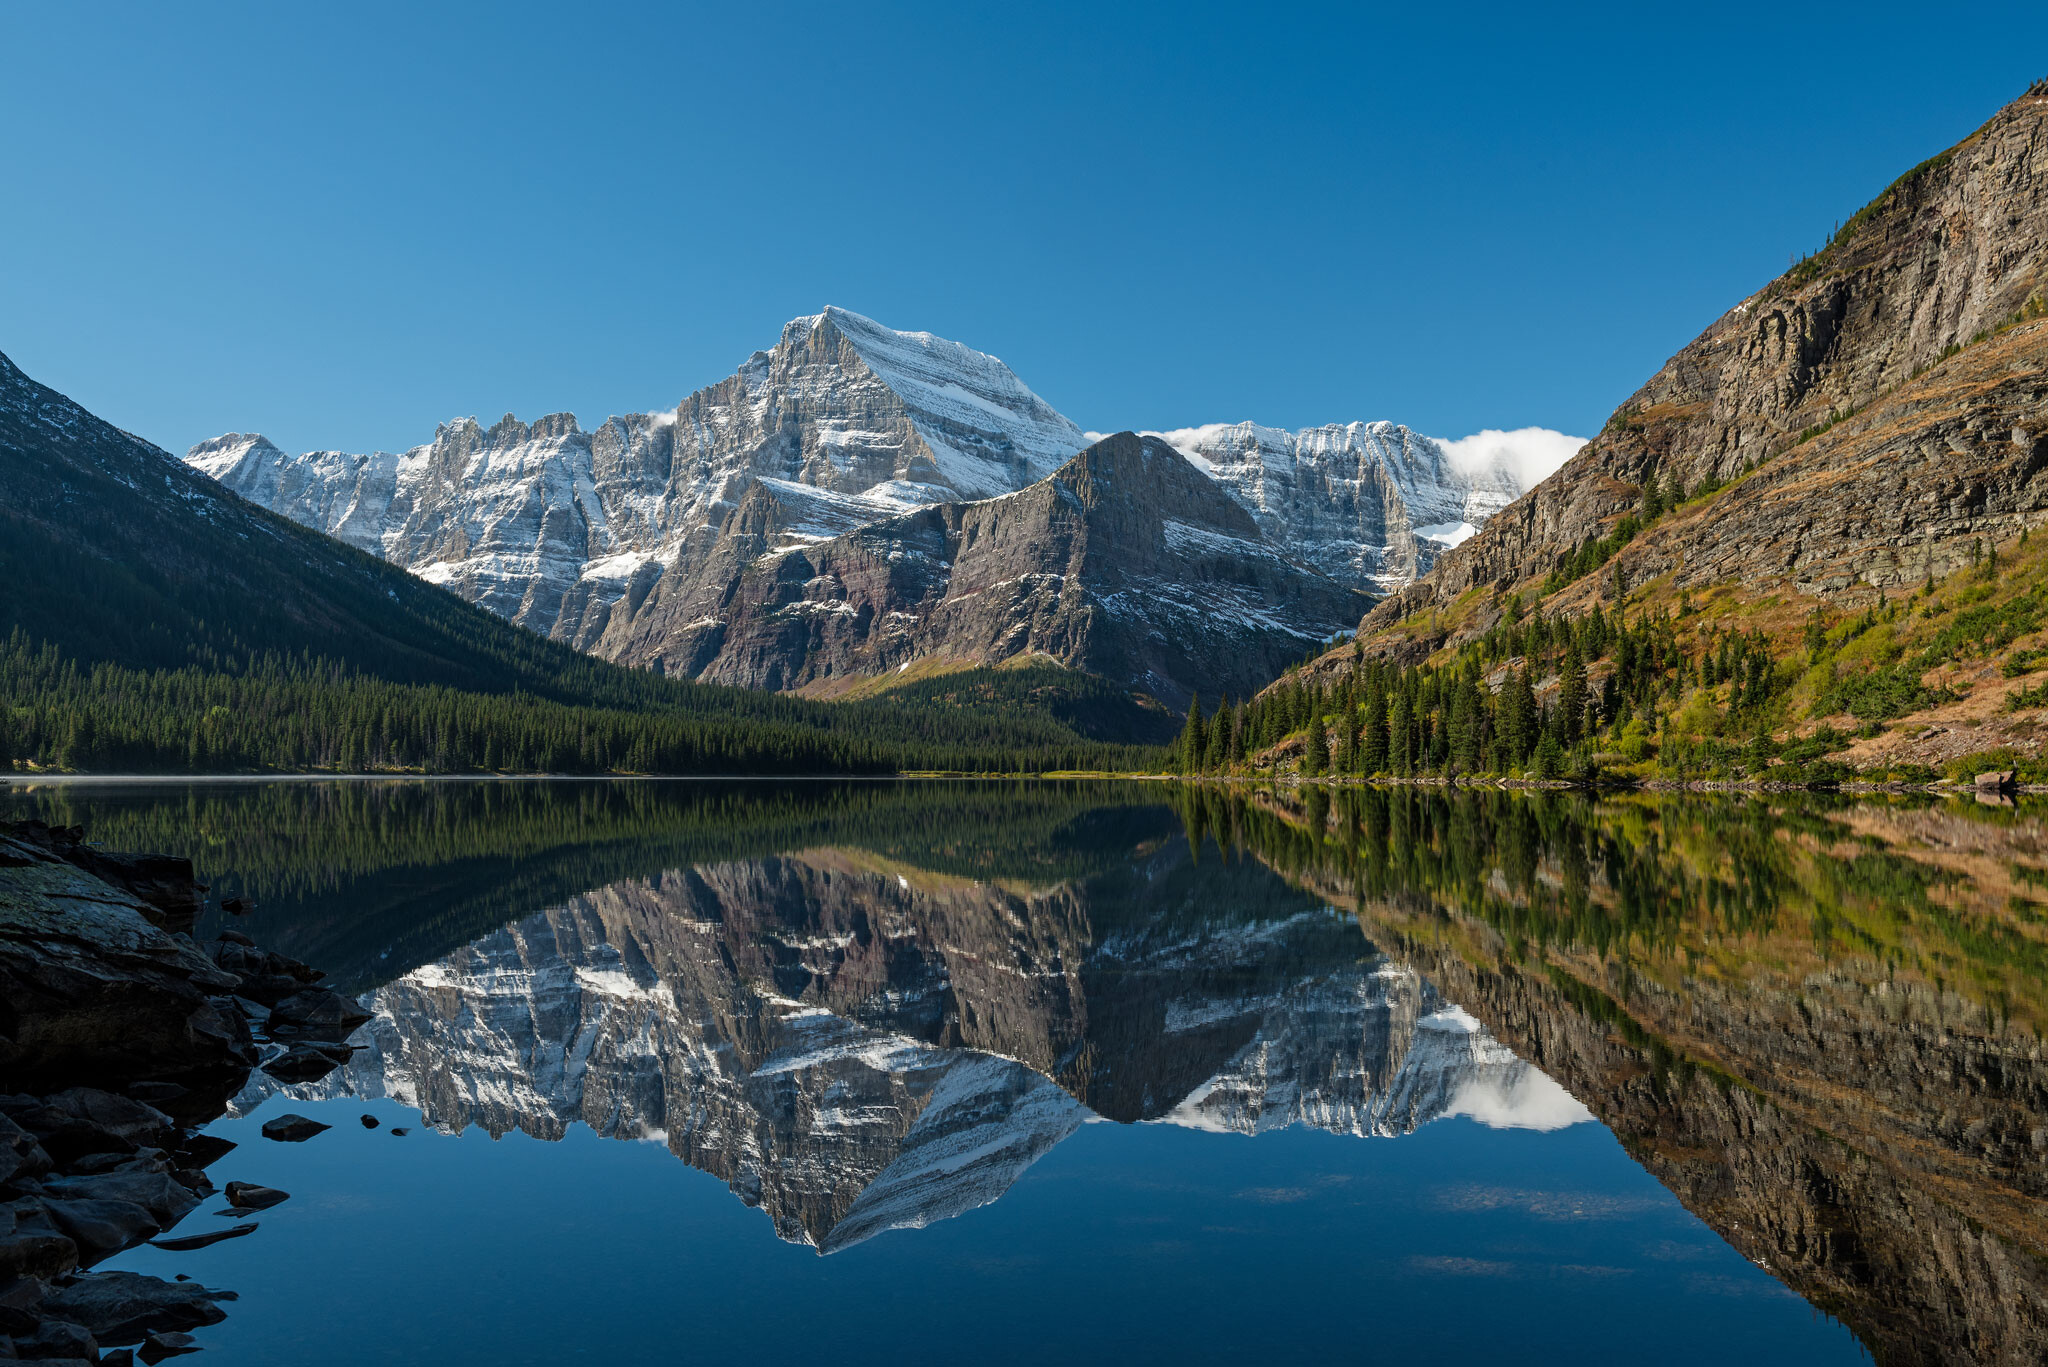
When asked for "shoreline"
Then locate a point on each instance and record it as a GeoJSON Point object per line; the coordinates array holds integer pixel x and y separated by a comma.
{"type": "Point", "coordinates": [127, 1037]}
{"type": "Point", "coordinates": [1939, 788]}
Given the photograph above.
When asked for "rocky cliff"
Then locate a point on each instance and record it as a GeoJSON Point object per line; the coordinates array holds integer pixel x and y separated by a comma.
{"type": "Point", "coordinates": [1127, 563]}
{"type": "Point", "coordinates": [1872, 418]}
{"type": "Point", "coordinates": [1370, 504]}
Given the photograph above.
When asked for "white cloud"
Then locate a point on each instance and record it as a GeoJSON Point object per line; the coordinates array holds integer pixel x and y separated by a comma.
{"type": "Point", "coordinates": [1528, 1099]}
{"type": "Point", "coordinates": [1529, 453]}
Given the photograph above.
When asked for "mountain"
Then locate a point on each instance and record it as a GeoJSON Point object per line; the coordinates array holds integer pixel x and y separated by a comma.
{"type": "Point", "coordinates": [548, 525]}
{"type": "Point", "coordinates": [1371, 504]}
{"type": "Point", "coordinates": [1874, 417]}
{"type": "Point", "coordinates": [117, 551]}
{"type": "Point", "coordinates": [595, 538]}
{"type": "Point", "coordinates": [229, 636]}
{"type": "Point", "coordinates": [1127, 564]}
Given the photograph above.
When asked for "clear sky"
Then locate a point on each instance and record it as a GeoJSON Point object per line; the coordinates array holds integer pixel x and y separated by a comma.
{"type": "Point", "coordinates": [340, 224]}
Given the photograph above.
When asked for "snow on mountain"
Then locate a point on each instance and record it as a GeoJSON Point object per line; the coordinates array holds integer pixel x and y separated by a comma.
{"type": "Point", "coordinates": [549, 525]}
{"type": "Point", "coordinates": [849, 423]}
{"type": "Point", "coordinates": [1370, 504]}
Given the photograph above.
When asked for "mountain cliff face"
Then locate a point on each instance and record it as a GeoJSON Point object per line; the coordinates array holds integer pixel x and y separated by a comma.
{"type": "Point", "coordinates": [1127, 563]}
{"type": "Point", "coordinates": [1370, 504]}
{"type": "Point", "coordinates": [1890, 334]}
{"type": "Point", "coordinates": [857, 1046]}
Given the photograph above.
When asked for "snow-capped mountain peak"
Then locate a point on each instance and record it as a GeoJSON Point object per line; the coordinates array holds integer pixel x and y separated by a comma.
{"type": "Point", "coordinates": [562, 528]}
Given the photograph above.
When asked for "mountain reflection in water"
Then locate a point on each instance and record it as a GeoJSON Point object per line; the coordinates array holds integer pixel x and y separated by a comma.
{"type": "Point", "coordinates": [867, 1007]}
{"type": "Point", "coordinates": [858, 1046]}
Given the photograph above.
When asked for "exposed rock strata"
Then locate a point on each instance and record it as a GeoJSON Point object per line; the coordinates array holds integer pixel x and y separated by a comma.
{"type": "Point", "coordinates": [843, 424]}
{"type": "Point", "coordinates": [1127, 564]}
{"type": "Point", "coordinates": [1927, 465]}
{"type": "Point", "coordinates": [1371, 504]}
{"type": "Point", "coordinates": [550, 526]}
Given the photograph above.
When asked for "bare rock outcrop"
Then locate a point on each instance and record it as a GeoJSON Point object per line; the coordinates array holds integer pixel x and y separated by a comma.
{"type": "Point", "coordinates": [1128, 563]}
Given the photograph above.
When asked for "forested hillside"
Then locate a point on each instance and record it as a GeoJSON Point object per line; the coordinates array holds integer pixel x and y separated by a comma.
{"type": "Point", "coordinates": [1809, 547]}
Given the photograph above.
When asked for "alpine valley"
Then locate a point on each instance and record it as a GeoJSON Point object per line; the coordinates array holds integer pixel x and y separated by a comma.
{"type": "Point", "coordinates": [851, 865]}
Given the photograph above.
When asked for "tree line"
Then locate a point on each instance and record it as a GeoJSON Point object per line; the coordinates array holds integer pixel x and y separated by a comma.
{"type": "Point", "coordinates": [305, 713]}
{"type": "Point", "coordinates": [1480, 713]}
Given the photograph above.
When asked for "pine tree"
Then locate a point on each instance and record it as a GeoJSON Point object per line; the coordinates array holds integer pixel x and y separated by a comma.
{"type": "Point", "coordinates": [1372, 750]}
{"type": "Point", "coordinates": [1517, 719]}
{"type": "Point", "coordinates": [1467, 725]}
{"type": "Point", "coordinates": [1347, 728]}
{"type": "Point", "coordinates": [1571, 698]}
{"type": "Point", "coordinates": [1316, 754]}
{"type": "Point", "coordinates": [1215, 751]}
{"type": "Point", "coordinates": [1192, 746]}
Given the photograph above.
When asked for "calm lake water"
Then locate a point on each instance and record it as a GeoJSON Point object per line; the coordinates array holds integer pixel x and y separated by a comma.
{"type": "Point", "coordinates": [942, 1072]}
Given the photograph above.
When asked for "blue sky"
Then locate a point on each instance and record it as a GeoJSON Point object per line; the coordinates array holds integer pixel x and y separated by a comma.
{"type": "Point", "coordinates": [340, 224]}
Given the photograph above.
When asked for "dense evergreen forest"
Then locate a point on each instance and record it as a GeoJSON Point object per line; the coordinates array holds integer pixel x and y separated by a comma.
{"type": "Point", "coordinates": [305, 713]}
{"type": "Point", "coordinates": [1481, 713]}
{"type": "Point", "coordinates": [1661, 684]}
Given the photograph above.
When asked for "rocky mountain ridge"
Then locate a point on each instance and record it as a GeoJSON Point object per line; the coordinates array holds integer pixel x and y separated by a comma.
{"type": "Point", "coordinates": [845, 424]}
{"type": "Point", "coordinates": [1874, 409]}
{"type": "Point", "coordinates": [1126, 563]}
{"type": "Point", "coordinates": [1371, 504]}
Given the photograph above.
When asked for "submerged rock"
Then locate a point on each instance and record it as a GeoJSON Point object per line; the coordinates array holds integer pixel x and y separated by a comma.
{"type": "Point", "coordinates": [125, 1307]}
{"type": "Point", "coordinates": [100, 1229]}
{"type": "Point", "coordinates": [157, 1347]}
{"type": "Point", "coordinates": [317, 1011]}
{"type": "Point", "coordinates": [250, 1196]}
{"type": "Point", "coordinates": [302, 1063]}
{"type": "Point", "coordinates": [292, 1129]}
{"type": "Point", "coordinates": [189, 1242]}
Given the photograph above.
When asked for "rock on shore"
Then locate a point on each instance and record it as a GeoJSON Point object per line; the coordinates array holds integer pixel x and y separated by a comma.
{"type": "Point", "coordinates": [119, 1036]}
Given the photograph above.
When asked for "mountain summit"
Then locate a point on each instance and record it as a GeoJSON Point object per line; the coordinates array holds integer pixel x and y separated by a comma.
{"type": "Point", "coordinates": [595, 538]}
{"type": "Point", "coordinates": [548, 525]}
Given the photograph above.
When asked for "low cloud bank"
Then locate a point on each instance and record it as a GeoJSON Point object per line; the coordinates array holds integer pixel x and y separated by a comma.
{"type": "Point", "coordinates": [1531, 454]}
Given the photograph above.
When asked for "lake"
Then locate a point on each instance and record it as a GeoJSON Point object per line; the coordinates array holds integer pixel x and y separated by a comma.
{"type": "Point", "coordinates": [909, 1072]}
